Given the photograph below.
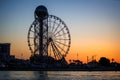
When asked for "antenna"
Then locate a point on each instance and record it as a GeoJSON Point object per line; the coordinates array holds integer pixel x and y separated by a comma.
{"type": "Point", "coordinates": [77, 56]}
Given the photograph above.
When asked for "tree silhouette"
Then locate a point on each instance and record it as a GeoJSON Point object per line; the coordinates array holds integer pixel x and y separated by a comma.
{"type": "Point", "coordinates": [104, 61]}
{"type": "Point", "coordinates": [112, 60]}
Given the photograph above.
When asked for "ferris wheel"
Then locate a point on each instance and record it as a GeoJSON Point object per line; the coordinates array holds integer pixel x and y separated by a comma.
{"type": "Point", "coordinates": [56, 37]}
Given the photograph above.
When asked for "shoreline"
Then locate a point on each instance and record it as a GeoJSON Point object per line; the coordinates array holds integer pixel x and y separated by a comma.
{"type": "Point", "coordinates": [55, 69]}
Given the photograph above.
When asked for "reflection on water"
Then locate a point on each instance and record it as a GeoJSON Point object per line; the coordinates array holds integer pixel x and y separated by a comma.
{"type": "Point", "coordinates": [23, 75]}
{"type": "Point", "coordinates": [59, 75]}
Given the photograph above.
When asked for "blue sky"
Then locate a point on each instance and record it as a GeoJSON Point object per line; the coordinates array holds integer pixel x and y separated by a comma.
{"type": "Point", "coordinates": [89, 21]}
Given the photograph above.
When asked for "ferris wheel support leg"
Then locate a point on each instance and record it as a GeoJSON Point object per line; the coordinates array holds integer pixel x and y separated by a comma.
{"type": "Point", "coordinates": [41, 38]}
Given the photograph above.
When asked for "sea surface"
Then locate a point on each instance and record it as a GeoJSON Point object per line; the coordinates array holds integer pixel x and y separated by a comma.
{"type": "Point", "coordinates": [59, 75]}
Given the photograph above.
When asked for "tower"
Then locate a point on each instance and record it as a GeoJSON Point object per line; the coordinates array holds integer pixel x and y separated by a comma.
{"type": "Point", "coordinates": [41, 13]}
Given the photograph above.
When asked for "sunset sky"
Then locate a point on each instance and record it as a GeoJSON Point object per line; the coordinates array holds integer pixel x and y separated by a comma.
{"type": "Point", "coordinates": [94, 26]}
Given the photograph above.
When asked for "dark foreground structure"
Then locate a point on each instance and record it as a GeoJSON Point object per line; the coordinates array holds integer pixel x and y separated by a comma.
{"type": "Point", "coordinates": [25, 66]}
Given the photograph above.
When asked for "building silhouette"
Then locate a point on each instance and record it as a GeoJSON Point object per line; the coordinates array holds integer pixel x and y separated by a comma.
{"type": "Point", "coordinates": [4, 51]}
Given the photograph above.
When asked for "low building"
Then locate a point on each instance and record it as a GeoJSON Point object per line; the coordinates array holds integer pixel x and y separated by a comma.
{"type": "Point", "coordinates": [4, 51]}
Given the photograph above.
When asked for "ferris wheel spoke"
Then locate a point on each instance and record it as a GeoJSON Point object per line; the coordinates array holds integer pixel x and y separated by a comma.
{"type": "Point", "coordinates": [57, 51]}
{"type": "Point", "coordinates": [49, 23]}
{"type": "Point", "coordinates": [53, 25]}
{"type": "Point", "coordinates": [59, 31]}
{"type": "Point", "coordinates": [53, 49]}
{"type": "Point", "coordinates": [60, 48]}
{"type": "Point", "coordinates": [61, 43]}
{"type": "Point", "coordinates": [62, 39]}
{"type": "Point", "coordinates": [57, 27]}
{"type": "Point", "coordinates": [61, 34]}
{"type": "Point", "coordinates": [49, 27]}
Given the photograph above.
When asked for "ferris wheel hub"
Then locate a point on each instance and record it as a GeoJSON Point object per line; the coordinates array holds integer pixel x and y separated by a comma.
{"type": "Point", "coordinates": [50, 39]}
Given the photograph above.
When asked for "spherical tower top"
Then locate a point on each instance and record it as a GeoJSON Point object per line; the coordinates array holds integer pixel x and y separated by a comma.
{"type": "Point", "coordinates": [41, 12]}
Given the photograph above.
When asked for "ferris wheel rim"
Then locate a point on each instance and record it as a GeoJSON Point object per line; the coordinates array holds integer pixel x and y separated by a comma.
{"type": "Point", "coordinates": [67, 33]}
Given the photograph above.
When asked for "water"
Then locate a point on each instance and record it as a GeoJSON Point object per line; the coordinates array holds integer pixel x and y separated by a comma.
{"type": "Point", "coordinates": [59, 75]}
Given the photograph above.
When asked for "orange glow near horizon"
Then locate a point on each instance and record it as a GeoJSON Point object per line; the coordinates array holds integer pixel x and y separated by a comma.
{"type": "Point", "coordinates": [99, 48]}
{"type": "Point", "coordinates": [83, 49]}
